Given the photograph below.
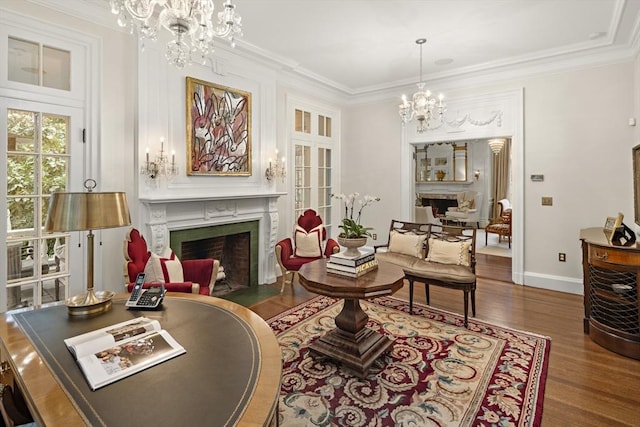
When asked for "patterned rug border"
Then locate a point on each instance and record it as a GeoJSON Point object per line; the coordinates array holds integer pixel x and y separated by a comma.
{"type": "Point", "coordinates": [536, 396]}
{"type": "Point", "coordinates": [450, 317]}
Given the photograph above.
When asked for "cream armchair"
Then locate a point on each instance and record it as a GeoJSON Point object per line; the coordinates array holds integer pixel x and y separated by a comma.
{"type": "Point", "coordinates": [468, 209]}
{"type": "Point", "coordinates": [424, 215]}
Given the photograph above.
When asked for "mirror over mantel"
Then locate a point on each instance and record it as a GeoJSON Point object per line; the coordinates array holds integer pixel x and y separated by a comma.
{"type": "Point", "coordinates": [441, 162]}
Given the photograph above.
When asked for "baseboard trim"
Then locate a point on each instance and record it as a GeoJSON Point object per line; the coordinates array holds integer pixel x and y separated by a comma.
{"type": "Point", "coordinates": [554, 283]}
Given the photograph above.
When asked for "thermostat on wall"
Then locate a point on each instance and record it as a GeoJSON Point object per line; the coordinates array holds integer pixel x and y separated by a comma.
{"type": "Point", "coordinates": [537, 177]}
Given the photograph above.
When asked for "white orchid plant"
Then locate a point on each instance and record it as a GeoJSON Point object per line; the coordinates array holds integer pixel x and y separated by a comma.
{"type": "Point", "coordinates": [351, 227]}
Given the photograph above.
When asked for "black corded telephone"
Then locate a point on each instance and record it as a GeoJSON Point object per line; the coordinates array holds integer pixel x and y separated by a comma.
{"type": "Point", "coordinates": [150, 298]}
{"type": "Point", "coordinates": [623, 236]}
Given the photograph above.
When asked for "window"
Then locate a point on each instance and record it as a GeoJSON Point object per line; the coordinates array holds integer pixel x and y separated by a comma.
{"type": "Point", "coordinates": [314, 149]}
{"type": "Point", "coordinates": [42, 122]}
{"type": "Point", "coordinates": [324, 126]}
{"type": "Point", "coordinates": [303, 121]}
{"type": "Point", "coordinates": [38, 64]}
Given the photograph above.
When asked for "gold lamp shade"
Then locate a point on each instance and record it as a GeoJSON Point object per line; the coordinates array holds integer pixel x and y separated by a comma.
{"type": "Point", "coordinates": [88, 211]}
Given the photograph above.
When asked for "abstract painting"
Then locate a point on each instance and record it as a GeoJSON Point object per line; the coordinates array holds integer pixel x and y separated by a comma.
{"type": "Point", "coordinates": [218, 130]}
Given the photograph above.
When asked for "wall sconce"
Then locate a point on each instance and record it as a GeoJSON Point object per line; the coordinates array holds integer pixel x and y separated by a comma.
{"type": "Point", "coordinates": [160, 167]}
{"type": "Point", "coordinates": [276, 169]}
{"type": "Point", "coordinates": [477, 174]}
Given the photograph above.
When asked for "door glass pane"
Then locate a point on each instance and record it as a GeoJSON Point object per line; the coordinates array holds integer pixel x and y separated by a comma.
{"type": "Point", "coordinates": [21, 215]}
{"type": "Point", "coordinates": [21, 126]}
{"type": "Point", "coordinates": [55, 131]}
{"type": "Point", "coordinates": [21, 174]}
{"type": "Point", "coordinates": [54, 174]}
{"type": "Point", "coordinates": [24, 62]}
{"type": "Point", "coordinates": [307, 122]}
{"type": "Point", "coordinates": [327, 127]}
{"type": "Point", "coordinates": [298, 121]}
{"type": "Point", "coordinates": [56, 64]}
{"type": "Point", "coordinates": [19, 296]}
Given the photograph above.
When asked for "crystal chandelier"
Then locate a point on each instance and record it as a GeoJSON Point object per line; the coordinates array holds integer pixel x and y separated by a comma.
{"type": "Point", "coordinates": [190, 21]}
{"type": "Point", "coordinates": [423, 106]}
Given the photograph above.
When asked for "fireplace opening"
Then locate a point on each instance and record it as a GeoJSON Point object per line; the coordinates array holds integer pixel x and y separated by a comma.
{"type": "Point", "coordinates": [439, 202]}
{"type": "Point", "coordinates": [233, 252]}
{"type": "Point", "coordinates": [234, 245]}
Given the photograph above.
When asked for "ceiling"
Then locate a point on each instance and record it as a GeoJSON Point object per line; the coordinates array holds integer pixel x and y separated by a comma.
{"type": "Point", "coordinates": [359, 46]}
{"type": "Point", "coordinates": [363, 46]}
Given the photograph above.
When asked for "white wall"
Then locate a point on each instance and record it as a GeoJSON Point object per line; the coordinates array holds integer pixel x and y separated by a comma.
{"type": "Point", "coordinates": [576, 134]}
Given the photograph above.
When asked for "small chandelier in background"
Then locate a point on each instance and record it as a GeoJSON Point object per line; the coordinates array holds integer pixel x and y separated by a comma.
{"type": "Point", "coordinates": [276, 169]}
{"type": "Point", "coordinates": [496, 145]}
{"type": "Point", "coordinates": [160, 166]}
{"type": "Point", "coordinates": [190, 21]}
{"type": "Point", "coordinates": [422, 106]}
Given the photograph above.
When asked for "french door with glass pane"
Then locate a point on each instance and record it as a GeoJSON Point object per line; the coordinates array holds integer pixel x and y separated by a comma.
{"type": "Point", "coordinates": [40, 141]}
{"type": "Point", "coordinates": [313, 150]}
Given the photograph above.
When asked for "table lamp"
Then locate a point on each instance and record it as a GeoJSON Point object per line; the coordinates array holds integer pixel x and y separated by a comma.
{"type": "Point", "coordinates": [88, 211]}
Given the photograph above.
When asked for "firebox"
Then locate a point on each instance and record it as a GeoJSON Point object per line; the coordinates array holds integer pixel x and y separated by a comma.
{"type": "Point", "coordinates": [234, 245]}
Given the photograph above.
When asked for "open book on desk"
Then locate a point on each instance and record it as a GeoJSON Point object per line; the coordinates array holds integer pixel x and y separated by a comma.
{"type": "Point", "coordinates": [117, 351]}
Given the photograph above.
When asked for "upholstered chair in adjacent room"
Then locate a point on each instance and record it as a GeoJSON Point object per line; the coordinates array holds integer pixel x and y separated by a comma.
{"type": "Point", "coordinates": [500, 225]}
{"type": "Point", "coordinates": [306, 246]}
{"type": "Point", "coordinates": [196, 276]}
{"type": "Point", "coordinates": [468, 209]}
{"type": "Point", "coordinates": [424, 215]}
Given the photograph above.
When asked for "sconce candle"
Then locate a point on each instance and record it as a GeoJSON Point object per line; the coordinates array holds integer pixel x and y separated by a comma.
{"type": "Point", "coordinates": [159, 167]}
{"type": "Point", "coordinates": [275, 170]}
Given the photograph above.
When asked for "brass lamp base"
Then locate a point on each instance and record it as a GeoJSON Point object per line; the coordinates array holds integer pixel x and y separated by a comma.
{"type": "Point", "coordinates": [89, 303]}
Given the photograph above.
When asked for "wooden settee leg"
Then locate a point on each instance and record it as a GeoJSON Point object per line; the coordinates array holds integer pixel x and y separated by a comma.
{"type": "Point", "coordinates": [410, 296]}
{"type": "Point", "coordinates": [426, 292]}
{"type": "Point", "coordinates": [466, 307]}
{"type": "Point", "coordinates": [473, 302]}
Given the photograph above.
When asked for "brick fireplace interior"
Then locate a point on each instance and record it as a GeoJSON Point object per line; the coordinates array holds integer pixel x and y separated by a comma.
{"type": "Point", "coordinates": [234, 245]}
{"type": "Point", "coordinates": [439, 202]}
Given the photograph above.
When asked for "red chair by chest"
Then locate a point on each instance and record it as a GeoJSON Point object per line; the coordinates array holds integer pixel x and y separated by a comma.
{"type": "Point", "coordinates": [196, 276]}
{"type": "Point", "coordinates": [306, 246]}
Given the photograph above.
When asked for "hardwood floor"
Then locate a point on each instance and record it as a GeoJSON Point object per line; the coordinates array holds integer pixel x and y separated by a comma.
{"type": "Point", "coordinates": [587, 385]}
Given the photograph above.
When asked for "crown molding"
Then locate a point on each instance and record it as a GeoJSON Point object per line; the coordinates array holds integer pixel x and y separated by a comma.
{"type": "Point", "coordinates": [581, 55]}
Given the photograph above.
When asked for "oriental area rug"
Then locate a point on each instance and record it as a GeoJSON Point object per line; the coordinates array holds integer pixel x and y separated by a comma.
{"type": "Point", "coordinates": [436, 374]}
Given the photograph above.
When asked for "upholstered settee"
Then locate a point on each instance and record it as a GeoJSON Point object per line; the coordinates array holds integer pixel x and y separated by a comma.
{"type": "Point", "coordinates": [441, 256]}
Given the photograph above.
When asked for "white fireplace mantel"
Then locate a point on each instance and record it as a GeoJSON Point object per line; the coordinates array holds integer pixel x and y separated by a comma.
{"type": "Point", "coordinates": [164, 214]}
{"type": "Point", "coordinates": [200, 198]}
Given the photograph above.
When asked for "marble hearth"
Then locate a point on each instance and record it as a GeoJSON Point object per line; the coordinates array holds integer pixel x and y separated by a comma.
{"type": "Point", "coordinates": [163, 216]}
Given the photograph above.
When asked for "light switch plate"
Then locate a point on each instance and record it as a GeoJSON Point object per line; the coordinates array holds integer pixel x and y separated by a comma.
{"type": "Point", "coordinates": [547, 201]}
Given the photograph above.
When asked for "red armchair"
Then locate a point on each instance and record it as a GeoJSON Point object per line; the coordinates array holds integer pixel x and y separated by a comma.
{"type": "Point", "coordinates": [306, 246]}
{"type": "Point", "coordinates": [191, 276]}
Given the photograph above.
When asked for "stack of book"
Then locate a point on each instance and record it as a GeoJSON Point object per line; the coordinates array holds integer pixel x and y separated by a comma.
{"type": "Point", "coordinates": [352, 266]}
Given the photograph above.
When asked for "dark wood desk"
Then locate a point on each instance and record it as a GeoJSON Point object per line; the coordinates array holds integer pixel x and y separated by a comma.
{"type": "Point", "coordinates": [351, 343]}
{"type": "Point", "coordinates": [170, 385]}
